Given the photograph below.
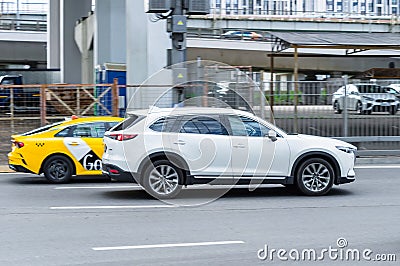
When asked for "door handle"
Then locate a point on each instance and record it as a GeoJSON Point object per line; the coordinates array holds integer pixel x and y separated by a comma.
{"type": "Point", "coordinates": [180, 142]}
{"type": "Point", "coordinates": [73, 143]}
{"type": "Point", "coordinates": [239, 146]}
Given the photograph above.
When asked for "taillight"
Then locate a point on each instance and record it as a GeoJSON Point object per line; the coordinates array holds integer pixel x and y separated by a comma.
{"type": "Point", "coordinates": [122, 137]}
{"type": "Point", "coordinates": [19, 144]}
{"type": "Point", "coordinates": [114, 171]}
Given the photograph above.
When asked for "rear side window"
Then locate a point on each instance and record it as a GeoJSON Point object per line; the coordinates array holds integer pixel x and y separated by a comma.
{"type": "Point", "coordinates": [128, 122]}
{"type": "Point", "coordinates": [203, 125]}
{"type": "Point", "coordinates": [88, 130]}
{"type": "Point", "coordinates": [164, 124]}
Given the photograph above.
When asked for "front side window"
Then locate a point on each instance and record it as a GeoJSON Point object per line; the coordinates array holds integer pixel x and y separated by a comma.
{"type": "Point", "coordinates": [94, 130]}
{"type": "Point", "coordinates": [244, 126]}
{"type": "Point", "coordinates": [203, 125]}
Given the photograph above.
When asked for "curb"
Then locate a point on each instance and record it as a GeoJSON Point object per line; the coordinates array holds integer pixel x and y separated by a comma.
{"type": "Point", "coordinates": [5, 169]}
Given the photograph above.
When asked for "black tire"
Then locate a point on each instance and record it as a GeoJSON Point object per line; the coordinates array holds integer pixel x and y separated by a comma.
{"type": "Point", "coordinates": [315, 177]}
{"type": "Point", "coordinates": [336, 108]}
{"type": "Point", "coordinates": [161, 179]}
{"type": "Point", "coordinates": [359, 108]}
{"type": "Point", "coordinates": [393, 110]}
{"type": "Point", "coordinates": [58, 169]}
{"type": "Point", "coordinates": [368, 112]}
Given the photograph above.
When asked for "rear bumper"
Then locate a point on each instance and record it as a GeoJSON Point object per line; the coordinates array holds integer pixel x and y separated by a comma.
{"type": "Point", "coordinates": [19, 168]}
{"type": "Point", "coordinates": [117, 174]}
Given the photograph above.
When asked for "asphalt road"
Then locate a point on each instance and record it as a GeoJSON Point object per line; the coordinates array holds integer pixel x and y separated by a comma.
{"type": "Point", "coordinates": [98, 223]}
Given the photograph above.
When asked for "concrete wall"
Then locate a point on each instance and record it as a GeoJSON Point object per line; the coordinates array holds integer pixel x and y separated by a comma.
{"type": "Point", "coordinates": [110, 28]}
{"type": "Point", "coordinates": [70, 57]}
{"type": "Point", "coordinates": [147, 45]}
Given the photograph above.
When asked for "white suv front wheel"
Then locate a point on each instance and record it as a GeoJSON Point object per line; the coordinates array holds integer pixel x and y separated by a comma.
{"type": "Point", "coordinates": [161, 179]}
{"type": "Point", "coordinates": [315, 177]}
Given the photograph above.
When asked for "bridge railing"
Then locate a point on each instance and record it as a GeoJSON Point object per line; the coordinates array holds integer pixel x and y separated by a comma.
{"type": "Point", "coordinates": [23, 24]}
{"type": "Point", "coordinates": [289, 14]}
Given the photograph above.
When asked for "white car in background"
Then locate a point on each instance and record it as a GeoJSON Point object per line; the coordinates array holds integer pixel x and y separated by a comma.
{"type": "Point", "coordinates": [165, 149]}
{"type": "Point", "coordinates": [364, 99]}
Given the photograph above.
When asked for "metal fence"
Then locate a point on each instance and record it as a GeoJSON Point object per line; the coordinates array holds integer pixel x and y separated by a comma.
{"type": "Point", "coordinates": [26, 107]}
{"type": "Point", "coordinates": [307, 109]}
{"type": "Point", "coordinates": [303, 107]}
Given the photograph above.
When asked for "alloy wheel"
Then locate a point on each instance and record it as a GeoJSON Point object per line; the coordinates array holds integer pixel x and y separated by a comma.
{"type": "Point", "coordinates": [163, 179]}
{"type": "Point", "coordinates": [316, 177]}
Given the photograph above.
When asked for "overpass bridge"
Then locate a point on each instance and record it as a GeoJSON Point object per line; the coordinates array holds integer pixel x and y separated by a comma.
{"type": "Point", "coordinates": [205, 40]}
{"type": "Point", "coordinates": [256, 54]}
{"type": "Point", "coordinates": [24, 41]}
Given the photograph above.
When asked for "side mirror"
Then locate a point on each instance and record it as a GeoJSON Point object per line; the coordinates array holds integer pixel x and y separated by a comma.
{"type": "Point", "coordinates": [272, 135]}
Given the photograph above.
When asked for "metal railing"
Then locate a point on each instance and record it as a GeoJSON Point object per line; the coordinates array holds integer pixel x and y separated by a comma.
{"type": "Point", "coordinates": [310, 111]}
{"type": "Point", "coordinates": [23, 24]}
{"type": "Point", "coordinates": [293, 14]}
{"type": "Point", "coordinates": [23, 7]}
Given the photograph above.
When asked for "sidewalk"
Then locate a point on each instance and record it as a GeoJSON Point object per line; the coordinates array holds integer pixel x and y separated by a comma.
{"type": "Point", "coordinates": [392, 160]}
{"type": "Point", "coordinates": [5, 169]}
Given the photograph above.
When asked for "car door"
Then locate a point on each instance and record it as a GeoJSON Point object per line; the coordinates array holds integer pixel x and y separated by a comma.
{"type": "Point", "coordinates": [85, 143]}
{"type": "Point", "coordinates": [204, 143]}
{"type": "Point", "coordinates": [352, 99]}
{"type": "Point", "coordinates": [253, 153]}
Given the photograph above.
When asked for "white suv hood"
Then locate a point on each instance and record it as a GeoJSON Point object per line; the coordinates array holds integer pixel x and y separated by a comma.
{"type": "Point", "coordinates": [318, 141]}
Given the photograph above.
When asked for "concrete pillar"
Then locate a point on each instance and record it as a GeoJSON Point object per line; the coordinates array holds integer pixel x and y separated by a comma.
{"type": "Point", "coordinates": [53, 35]}
{"type": "Point", "coordinates": [110, 28]}
{"type": "Point", "coordinates": [70, 56]}
{"type": "Point", "coordinates": [84, 33]}
{"type": "Point", "coordinates": [147, 44]}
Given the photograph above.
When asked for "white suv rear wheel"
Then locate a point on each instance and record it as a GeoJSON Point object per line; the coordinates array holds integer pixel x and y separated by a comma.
{"type": "Point", "coordinates": [161, 179]}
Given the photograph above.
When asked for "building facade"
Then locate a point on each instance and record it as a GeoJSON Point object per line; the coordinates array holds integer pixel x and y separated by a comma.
{"type": "Point", "coordinates": [307, 7]}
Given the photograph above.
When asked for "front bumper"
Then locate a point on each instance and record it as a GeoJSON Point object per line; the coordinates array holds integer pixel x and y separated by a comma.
{"type": "Point", "coordinates": [380, 107]}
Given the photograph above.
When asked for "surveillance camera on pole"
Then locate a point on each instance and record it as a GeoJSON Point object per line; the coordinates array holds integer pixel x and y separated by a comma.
{"type": "Point", "coordinates": [176, 11]}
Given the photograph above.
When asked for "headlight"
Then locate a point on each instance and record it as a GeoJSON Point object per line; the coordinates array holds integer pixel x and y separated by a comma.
{"type": "Point", "coordinates": [368, 98]}
{"type": "Point", "coordinates": [346, 149]}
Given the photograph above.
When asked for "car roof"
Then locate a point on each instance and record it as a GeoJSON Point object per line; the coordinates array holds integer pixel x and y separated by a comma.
{"type": "Point", "coordinates": [91, 119]}
{"type": "Point", "coordinates": [188, 111]}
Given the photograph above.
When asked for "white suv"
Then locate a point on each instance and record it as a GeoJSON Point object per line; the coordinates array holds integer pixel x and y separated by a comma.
{"type": "Point", "coordinates": [365, 99]}
{"type": "Point", "coordinates": [165, 149]}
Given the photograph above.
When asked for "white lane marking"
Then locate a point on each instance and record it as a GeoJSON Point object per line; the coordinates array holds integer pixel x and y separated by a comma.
{"type": "Point", "coordinates": [170, 245]}
{"type": "Point", "coordinates": [96, 187]}
{"type": "Point", "coordinates": [376, 166]}
{"type": "Point", "coordinates": [112, 207]}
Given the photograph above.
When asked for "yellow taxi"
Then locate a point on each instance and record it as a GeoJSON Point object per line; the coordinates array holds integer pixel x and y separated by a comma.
{"type": "Point", "coordinates": [63, 149]}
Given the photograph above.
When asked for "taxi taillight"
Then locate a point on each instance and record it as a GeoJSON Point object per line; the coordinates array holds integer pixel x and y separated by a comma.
{"type": "Point", "coordinates": [19, 144]}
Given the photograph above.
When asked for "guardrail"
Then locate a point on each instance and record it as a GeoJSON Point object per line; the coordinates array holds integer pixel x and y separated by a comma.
{"type": "Point", "coordinates": [23, 24]}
